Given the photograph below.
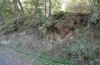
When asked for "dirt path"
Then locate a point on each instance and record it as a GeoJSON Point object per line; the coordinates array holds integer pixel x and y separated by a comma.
{"type": "Point", "coordinates": [11, 57]}
{"type": "Point", "coordinates": [2, 61]}
{"type": "Point", "coordinates": [7, 61]}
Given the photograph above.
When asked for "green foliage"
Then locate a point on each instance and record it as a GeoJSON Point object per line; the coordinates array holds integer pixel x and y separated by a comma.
{"type": "Point", "coordinates": [93, 19]}
{"type": "Point", "coordinates": [95, 16]}
{"type": "Point", "coordinates": [43, 21]}
{"type": "Point", "coordinates": [58, 15]}
{"type": "Point", "coordinates": [44, 59]}
{"type": "Point", "coordinates": [82, 48]}
{"type": "Point", "coordinates": [56, 5]}
{"type": "Point", "coordinates": [6, 9]}
{"type": "Point", "coordinates": [7, 28]}
{"type": "Point", "coordinates": [98, 1]}
{"type": "Point", "coordinates": [11, 26]}
{"type": "Point", "coordinates": [43, 27]}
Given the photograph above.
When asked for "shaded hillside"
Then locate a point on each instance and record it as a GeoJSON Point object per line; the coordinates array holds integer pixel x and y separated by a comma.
{"type": "Point", "coordinates": [38, 31]}
{"type": "Point", "coordinates": [83, 43]}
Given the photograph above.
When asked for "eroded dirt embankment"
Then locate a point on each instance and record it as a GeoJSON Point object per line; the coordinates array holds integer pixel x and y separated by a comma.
{"type": "Point", "coordinates": [38, 43]}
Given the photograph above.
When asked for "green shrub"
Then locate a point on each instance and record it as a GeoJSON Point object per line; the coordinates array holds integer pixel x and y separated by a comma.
{"type": "Point", "coordinates": [11, 26]}
{"type": "Point", "coordinates": [94, 18]}
{"type": "Point", "coordinates": [43, 27]}
{"type": "Point", "coordinates": [7, 27]}
{"type": "Point", "coordinates": [58, 15]}
{"type": "Point", "coordinates": [43, 21]}
{"type": "Point", "coordinates": [81, 48]}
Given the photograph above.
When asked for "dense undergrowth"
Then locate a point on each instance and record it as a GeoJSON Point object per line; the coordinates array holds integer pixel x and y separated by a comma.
{"type": "Point", "coordinates": [25, 29]}
{"type": "Point", "coordinates": [80, 50]}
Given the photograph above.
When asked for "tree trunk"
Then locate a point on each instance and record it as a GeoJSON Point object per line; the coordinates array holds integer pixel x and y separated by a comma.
{"type": "Point", "coordinates": [45, 8]}
{"type": "Point", "coordinates": [36, 5]}
{"type": "Point", "coordinates": [22, 10]}
{"type": "Point", "coordinates": [49, 11]}
{"type": "Point", "coordinates": [15, 7]}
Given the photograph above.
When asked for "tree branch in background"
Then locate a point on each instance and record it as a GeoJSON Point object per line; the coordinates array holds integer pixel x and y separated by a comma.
{"type": "Point", "coordinates": [22, 10]}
